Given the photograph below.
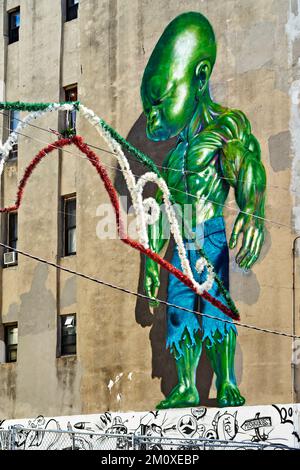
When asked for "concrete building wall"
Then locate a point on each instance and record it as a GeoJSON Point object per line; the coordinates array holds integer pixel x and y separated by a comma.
{"type": "Point", "coordinates": [105, 51]}
{"type": "Point", "coordinates": [270, 427]}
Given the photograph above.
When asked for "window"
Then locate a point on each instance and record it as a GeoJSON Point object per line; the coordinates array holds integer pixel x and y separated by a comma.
{"type": "Point", "coordinates": [71, 94]}
{"type": "Point", "coordinates": [72, 9]}
{"type": "Point", "coordinates": [11, 239]}
{"type": "Point", "coordinates": [11, 342]}
{"type": "Point", "coordinates": [68, 334]}
{"type": "Point", "coordinates": [13, 25]}
{"type": "Point", "coordinates": [12, 232]}
{"type": "Point", "coordinates": [14, 118]}
{"type": "Point", "coordinates": [69, 213]}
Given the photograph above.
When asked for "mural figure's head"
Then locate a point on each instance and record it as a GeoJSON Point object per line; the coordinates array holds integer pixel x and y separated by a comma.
{"type": "Point", "coordinates": [177, 74]}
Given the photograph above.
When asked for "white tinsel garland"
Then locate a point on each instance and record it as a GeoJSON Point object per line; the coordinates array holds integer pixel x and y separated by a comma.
{"type": "Point", "coordinates": [137, 199]}
{"type": "Point", "coordinates": [23, 123]}
{"type": "Point", "coordinates": [142, 207]}
{"type": "Point", "coordinates": [175, 229]}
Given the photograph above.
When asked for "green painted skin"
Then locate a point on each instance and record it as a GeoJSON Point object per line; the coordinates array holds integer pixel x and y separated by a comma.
{"type": "Point", "coordinates": [216, 150]}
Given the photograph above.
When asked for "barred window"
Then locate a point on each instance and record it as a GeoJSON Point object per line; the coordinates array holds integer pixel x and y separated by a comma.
{"type": "Point", "coordinates": [71, 94]}
{"type": "Point", "coordinates": [69, 229]}
{"type": "Point", "coordinates": [11, 342]}
{"type": "Point", "coordinates": [10, 223]}
{"type": "Point", "coordinates": [14, 119]}
{"type": "Point", "coordinates": [68, 334]}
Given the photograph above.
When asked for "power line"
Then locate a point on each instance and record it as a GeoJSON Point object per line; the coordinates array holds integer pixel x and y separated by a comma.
{"type": "Point", "coordinates": [204, 198]}
{"type": "Point", "coordinates": [128, 291]}
{"type": "Point", "coordinates": [143, 296]}
{"type": "Point", "coordinates": [133, 159]}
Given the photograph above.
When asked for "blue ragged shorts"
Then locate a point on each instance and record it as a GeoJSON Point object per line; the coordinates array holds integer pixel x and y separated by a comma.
{"type": "Point", "coordinates": [211, 236]}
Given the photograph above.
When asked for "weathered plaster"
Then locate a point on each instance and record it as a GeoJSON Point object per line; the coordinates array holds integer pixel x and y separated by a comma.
{"type": "Point", "coordinates": [293, 34]}
{"type": "Point", "coordinates": [279, 151]}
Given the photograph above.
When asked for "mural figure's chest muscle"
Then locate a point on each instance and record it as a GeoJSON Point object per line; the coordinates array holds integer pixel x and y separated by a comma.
{"type": "Point", "coordinates": [183, 172]}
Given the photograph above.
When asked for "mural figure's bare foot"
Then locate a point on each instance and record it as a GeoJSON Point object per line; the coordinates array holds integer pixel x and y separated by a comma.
{"type": "Point", "coordinates": [229, 395]}
{"type": "Point", "coordinates": [180, 397]}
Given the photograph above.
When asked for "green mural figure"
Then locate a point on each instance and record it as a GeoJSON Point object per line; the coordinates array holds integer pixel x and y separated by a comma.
{"type": "Point", "coordinates": [215, 150]}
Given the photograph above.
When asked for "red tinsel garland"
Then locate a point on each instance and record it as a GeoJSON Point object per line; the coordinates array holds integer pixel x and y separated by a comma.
{"type": "Point", "coordinates": [95, 161]}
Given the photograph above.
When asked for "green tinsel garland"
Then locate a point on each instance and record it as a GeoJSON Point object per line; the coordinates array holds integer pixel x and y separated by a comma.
{"type": "Point", "coordinates": [141, 157]}
{"type": "Point", "coordinates": [31, 107]}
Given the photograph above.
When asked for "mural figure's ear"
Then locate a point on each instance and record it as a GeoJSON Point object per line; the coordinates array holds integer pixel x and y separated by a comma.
{"type": "Point", "coordinates": [202, 72]}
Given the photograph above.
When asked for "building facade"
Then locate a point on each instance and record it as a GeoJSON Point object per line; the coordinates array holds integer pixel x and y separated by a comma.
{"type": "Point", "coordinates": [96, 51]}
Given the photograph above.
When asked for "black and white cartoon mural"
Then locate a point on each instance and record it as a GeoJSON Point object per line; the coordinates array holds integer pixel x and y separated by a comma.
{"type": "Point", "coordinates": [273, 425]}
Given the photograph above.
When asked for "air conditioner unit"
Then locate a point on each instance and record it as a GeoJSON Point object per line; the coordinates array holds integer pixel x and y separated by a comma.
{"type": "Point", "coordinates": [9, 258]}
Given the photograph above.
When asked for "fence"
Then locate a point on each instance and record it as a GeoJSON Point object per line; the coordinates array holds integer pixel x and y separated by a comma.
{"type": "Point", "coordinates": [19, 438]}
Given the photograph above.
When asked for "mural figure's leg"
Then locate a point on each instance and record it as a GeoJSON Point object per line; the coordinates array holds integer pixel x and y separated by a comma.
{"type": "Point", "coordinates": [219, 337]}
{"type": "Point", "coordinates": [185, 393]}
{"type": "Point", "coordinates": [184, 342]}
{"type": "Point", "coordinates": [221, 355]}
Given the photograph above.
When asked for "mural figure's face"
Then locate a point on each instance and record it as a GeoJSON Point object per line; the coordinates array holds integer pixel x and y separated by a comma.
{"type": "Point", "coordinates": [169, 102]}
{"type": "Point", "coordinates": [177, 75]}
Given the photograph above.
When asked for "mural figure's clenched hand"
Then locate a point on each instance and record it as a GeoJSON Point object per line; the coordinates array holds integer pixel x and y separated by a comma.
{"type": "Point", "coordinates": [253, 237]}
{"type": "Point", "coordinates": [152, 282]}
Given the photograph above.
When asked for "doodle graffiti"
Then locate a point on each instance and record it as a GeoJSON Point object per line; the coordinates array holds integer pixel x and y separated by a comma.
{"type": "Point", "coordinates": [258, 424]}
{"type": "Point", "coordinates": [285, 413]}
{"type": "Point", "coordinates": [268, 425]}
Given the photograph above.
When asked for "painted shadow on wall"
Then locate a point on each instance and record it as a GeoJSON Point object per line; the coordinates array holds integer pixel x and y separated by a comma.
{"type": "Point", "coordinates": [163, 365]}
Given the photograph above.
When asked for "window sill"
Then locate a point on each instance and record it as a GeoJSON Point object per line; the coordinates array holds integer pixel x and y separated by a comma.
{"type": "Point", "coordinates": [7, 266]}
{"type": "Point", "coordinates": [12, 160]}
{"type": "Point", "coordinates": [67, 356]}
{"type": "Point", "coordinates": [71, 19]}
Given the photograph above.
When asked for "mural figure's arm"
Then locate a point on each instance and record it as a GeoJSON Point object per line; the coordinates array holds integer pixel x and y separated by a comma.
{"type": "Point", "coordinates": [242, 166]}
{"type": "Point", "coordinates": [156, 243]}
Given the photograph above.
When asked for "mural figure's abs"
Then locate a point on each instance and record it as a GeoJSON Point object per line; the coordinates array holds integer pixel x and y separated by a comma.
{"type": "Point", "coordinates": [215, 150]}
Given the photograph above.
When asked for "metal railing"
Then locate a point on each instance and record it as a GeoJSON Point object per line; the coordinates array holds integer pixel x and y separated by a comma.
{"type": "Point", "coordinates": [19, 438]}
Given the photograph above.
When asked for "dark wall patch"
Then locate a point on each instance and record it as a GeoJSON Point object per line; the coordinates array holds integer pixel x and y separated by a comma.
{"type": "Point", "coordinates": [68, 296]}
{"type": "Point", "coordinates": [279, 151]}
{"type": "Point", "coordinates": [244, 285]}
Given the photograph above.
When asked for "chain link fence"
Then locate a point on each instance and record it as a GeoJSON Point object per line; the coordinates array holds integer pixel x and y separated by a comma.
{"type": "Point", "coordinates": [166, 443]}
{"type": "Point", "coordinates": [5, 439]}
{"type": "Point", "coordinates": [19, 438]}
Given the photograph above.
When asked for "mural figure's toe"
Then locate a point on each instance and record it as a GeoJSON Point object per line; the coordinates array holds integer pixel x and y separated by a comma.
{"type": "Point", "coordinates": [180, 397]}
{"type": "Point", "coordinates": [229, 395]}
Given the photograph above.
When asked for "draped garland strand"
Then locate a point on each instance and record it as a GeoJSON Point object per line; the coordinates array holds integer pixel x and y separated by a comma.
{"type": "Point", "coordinates": [141, 207]}
{"type": "Point", "coordinates": [34, 107]}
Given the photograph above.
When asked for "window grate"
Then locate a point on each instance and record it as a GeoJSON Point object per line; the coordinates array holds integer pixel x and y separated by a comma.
{"type": "Point", "coordinates": [69, 213]}
{"type": "Point", "coordinates": [14, 119]}
{"type": "Point", "coordinates": [11, 224]}
{"type": "Point", "coordinates": [71, 94]}
{"type": "Point", "coordinates": [11, 342]}
{"type": "Point", "coordinates": [68, 334]}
